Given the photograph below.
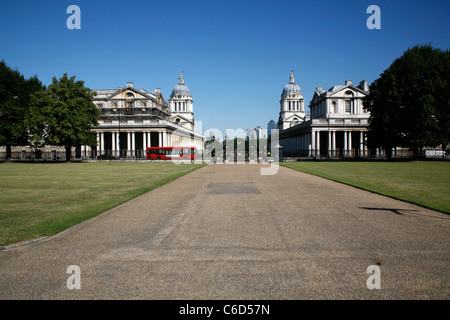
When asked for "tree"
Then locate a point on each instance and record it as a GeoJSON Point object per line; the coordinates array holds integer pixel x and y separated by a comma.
{"type": "Point", "coordinates": [63, 115]}
{"type": "Point", "coordinates": [15, 95]}
{"type": "Point", "coordinates": [409, 103]}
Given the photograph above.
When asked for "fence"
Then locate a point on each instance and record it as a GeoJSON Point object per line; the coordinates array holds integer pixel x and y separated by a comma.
{"type": "Point", "coordinates": [84, 155]}
{"type": "Point", "coordinates": [355, 154]}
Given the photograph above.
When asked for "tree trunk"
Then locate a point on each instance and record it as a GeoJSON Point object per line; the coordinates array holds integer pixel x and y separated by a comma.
{"type": "Point", "coordinates": [388, 152]}
{"type": "Point", "coordinates": [8, 152]}
{"type": "Point", "coordinates": [416, 153]}
{"type": "Point", "coordinates": [68, 153]}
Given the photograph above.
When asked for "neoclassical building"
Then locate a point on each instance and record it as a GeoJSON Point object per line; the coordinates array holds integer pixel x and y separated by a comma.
{"type": "Point", "coordinates": [336, 126]}
{"type": "Point", "coordinates": [292, 105]}
{"type": "Point", "coordinates": [133, 119]}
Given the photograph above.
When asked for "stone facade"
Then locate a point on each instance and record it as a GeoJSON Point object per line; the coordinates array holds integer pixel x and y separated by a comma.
{"type": "Point", "coordinates": [336, 126]}
{"type": "Point", "coordinates": [133, 119]}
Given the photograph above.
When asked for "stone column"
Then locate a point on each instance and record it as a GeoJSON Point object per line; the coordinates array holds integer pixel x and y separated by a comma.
{"type": "Point", "coordinates": [361, 143]}
{"type": "Point", "coordinates": [366, 149]}
{"type": "Point", "coordinates": [330, 151]}
{"type": "Point", "coordinates": [113, 142]}
{"type": "Point", "coordinates": [98, 143]}
{"type": "Point", "coordinates": [313, 142]}
{"type": "Point", "coordinates": [128, 144]}
{"type": "Point", "coordinates": [318, 143]}
{"type": "Point", "coordinates": [164, 135]}
{"type": "Point", "coordinates": [102, 142]}
{"type": "Point", "coordinates": [118, 143]}
{"type": "Point", "coordinates": [144, 141]}
{"type": "Point", "coordinates": [350, 143]}
{"type": "Point", "coordinates": [333, 148]}
{"type": "Point", "coordinates": [133, 144]}
{"type": "Point", "coordinates": [345, 143]}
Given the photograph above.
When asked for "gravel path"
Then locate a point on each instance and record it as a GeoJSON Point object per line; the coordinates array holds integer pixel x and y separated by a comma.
{"type": "Point", "coordinates": [227, 232]}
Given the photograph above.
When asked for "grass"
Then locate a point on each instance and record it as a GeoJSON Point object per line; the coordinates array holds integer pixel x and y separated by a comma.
{"type": "Point", "coordinates": [43, 199]}
{"type": "Point", "coordinates": [423, 183]}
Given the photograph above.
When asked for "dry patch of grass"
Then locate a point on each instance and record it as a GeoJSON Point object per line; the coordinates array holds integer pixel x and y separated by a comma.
{"type": "Point", "coordinates": [426, 183]}
{"type": "Point", "coordinates": [43, 199]}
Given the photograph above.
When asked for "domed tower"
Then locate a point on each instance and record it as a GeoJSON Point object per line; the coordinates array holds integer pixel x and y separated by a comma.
{"type": "Point", "coordinates": [292, 105]}
{"type": "Point", "coordinates": [181, 105]}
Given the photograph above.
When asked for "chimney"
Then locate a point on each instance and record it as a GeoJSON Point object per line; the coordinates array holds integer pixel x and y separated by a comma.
{"type": "Point", "coordinates": [348, 82]}
{"type": "Point", "coordinates": [363, 85]}
{"type": "Point", "coordinates": [319, 89]}
{"type": "Point", "coordinates": [157, 90]}
{"type": "Point", "coordinates": [129, 84]}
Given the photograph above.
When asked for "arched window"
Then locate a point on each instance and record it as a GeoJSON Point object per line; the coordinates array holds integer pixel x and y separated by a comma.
{"type": "Point", "coordinates": [349, 102]}
{"type": "Point", "coordinates": [130, 95]}
{"type": "Point", "coordinates": [334, 107]}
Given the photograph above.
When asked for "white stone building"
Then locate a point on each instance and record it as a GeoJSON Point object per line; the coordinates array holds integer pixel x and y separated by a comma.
{"type": "Point", "coordinates": [336, 127]}
{"type": "Point", "coordinates": [292, 105]}
{"type": "Point", "coordinates": [133, 119]}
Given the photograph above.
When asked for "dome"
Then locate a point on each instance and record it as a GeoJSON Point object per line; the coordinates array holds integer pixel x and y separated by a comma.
{"type": "Point", "coordinates": [291, 88]}
{"type": "Point", "coordinates": [181, 89]}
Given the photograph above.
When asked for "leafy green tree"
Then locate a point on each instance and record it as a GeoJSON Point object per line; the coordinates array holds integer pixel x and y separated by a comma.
{"type": "Point", "coordinates": [409, 103]}
{"type": "Point", "coordinates": [63, 115]}
{"type": "Point", "coordinates": [15, 95]}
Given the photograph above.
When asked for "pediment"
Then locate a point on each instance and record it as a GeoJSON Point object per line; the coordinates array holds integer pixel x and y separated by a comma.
{"type": "Point", "coordinates": [125, 93]}
{"type": "Point", "coordinates": [340, 91]}
{"type": "Point", "coordinates": [181, 118]}
{"type": "Point", "coordinates": [291, 118]}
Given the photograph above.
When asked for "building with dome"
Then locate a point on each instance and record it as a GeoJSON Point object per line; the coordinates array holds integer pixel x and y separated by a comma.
{"type": "Point", "coordinates": [181, 105]}
{"type": "Point", "coordinates": [292, 105]}
{"type": "Point", "coordinates": [133, 119]}
{"type": "Point", "coordinates": [336, 126]}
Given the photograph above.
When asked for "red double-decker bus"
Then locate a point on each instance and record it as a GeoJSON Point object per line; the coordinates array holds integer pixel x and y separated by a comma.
{"type": "Point", "coordinates": [171, 153]}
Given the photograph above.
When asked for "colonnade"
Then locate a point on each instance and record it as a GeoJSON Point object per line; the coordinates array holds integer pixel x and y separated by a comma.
{"type": "Point", "coordinates": [128, 148]}
{"type": "Point", "coordinates": [335, 143]}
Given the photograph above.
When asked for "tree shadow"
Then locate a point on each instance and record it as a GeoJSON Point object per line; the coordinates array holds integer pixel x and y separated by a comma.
{"type": "Point", "coordinates": [402, 212]}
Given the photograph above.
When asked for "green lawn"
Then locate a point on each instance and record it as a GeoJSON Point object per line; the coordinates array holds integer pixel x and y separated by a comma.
{"type": "Point", "coordinates": [423, 183]}
{"type": "Point", "coordinates": [43, 199]}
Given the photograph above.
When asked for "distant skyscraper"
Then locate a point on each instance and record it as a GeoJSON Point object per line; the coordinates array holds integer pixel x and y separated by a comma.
{"type": "Point", "coordinates": [272, 125]}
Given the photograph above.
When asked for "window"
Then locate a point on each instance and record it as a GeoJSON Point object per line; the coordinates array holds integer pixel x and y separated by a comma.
{"type": "Point", "coordinates": [348, 106]}
{"type": "Point", "coordinates": [130, 95]}
{"type": "Point", "coordinates": [334, 107]}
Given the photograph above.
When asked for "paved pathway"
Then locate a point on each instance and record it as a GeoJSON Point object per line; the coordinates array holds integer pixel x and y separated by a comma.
{"type": "Point", "coordinates": [227, 232]}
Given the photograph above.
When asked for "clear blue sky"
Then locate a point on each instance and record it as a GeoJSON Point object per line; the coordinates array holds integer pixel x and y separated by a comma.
{"type": "Point", "coordinates": [236, 55]}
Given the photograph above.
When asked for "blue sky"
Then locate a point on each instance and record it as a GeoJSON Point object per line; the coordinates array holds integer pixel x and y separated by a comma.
{"type": "Point", "coordinates": [236, 55]}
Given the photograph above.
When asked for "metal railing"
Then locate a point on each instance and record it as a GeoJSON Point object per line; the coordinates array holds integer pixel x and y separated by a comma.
{"type": "Point", "coordinates": [139, 154]}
